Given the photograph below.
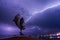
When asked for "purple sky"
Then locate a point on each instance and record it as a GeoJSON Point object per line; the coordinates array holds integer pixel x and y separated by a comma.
{"type": "Point", "coordinates": [41, 16]}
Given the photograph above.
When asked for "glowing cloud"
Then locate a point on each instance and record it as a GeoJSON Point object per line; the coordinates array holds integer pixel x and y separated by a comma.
{"type": "Point", "coordinates": [58, 33]}
{"type": "Point", "coordinates": [9, 29]}
{"type": "Point", "coordinates": [42, 11]}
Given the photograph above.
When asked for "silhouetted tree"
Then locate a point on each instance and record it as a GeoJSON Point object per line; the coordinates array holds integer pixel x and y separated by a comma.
{"type": "Point", "coordinates": [16, 19]}
{"type": "Point", "coordinates": [22, 24]}
{"type": "Point", "coordinates": [19, 23]}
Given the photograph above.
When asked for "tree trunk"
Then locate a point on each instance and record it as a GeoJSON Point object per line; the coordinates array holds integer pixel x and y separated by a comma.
{"type": "Point", "coordinates": [21, 34]}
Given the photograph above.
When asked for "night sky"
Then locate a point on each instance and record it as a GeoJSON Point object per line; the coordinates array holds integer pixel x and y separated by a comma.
{"type": "Point", "coordinates": [41, 16]}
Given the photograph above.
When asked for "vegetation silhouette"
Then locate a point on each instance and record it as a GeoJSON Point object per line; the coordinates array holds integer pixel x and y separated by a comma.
{"type": "Point", "coordinates": [19, 22]}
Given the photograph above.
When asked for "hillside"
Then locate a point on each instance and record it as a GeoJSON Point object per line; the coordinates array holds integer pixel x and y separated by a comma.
{"type": "Point", "coordinates": [21, 38]}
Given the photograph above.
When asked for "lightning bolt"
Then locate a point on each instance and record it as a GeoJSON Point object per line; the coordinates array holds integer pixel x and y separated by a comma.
{"type": "Point", "coordinates": [42, 11]}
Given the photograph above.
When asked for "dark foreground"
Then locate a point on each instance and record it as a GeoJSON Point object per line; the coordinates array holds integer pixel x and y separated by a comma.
{"type": "Point", "coordinates": [28, 38]}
